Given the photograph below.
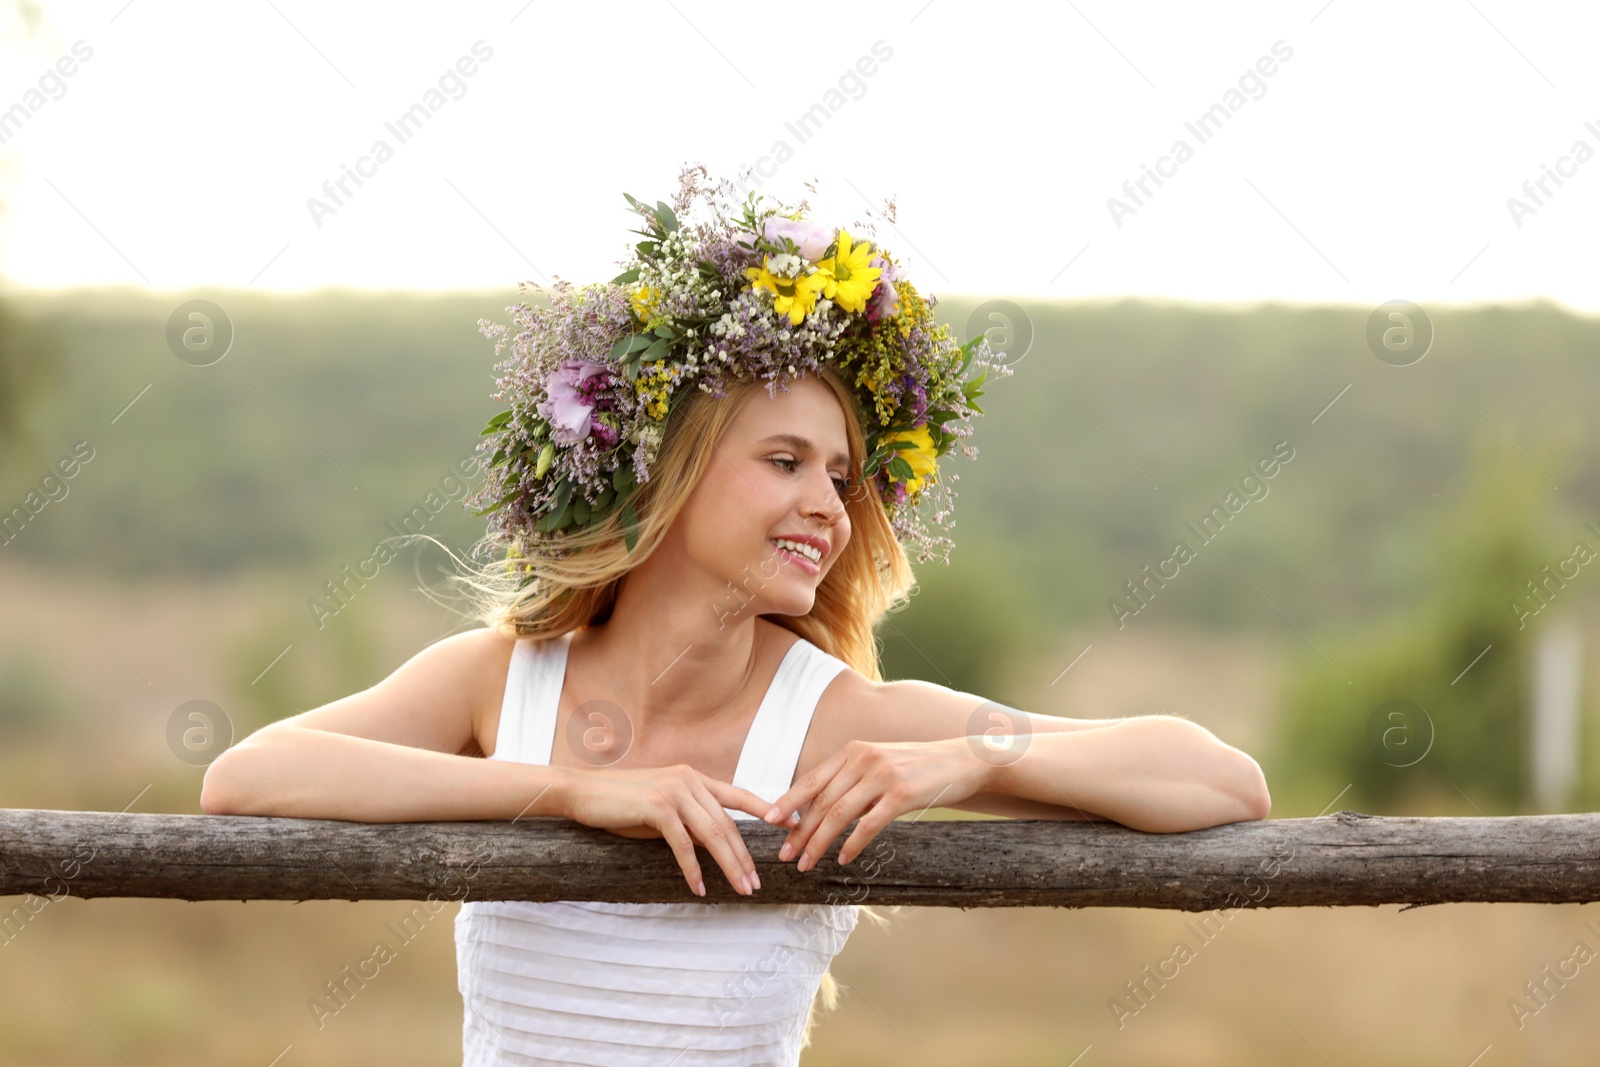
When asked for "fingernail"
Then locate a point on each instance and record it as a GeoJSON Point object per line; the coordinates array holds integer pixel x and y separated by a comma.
{"type": "Point", "coordinates": [757, 878]}
{"type": "Point", "coordinates": [700, 888]}
{"type": "Point", "coordinates": [772, 816]}
{"type": "Point", "coordinates": [745, 881]}
{"type": "Point", "coordinates": [805, 863]}
{"type": "Point", "coordinates": [786, 851]}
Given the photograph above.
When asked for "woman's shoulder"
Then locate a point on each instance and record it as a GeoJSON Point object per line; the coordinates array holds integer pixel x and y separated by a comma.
{"type": "Point", "coordinates": [481, 660]}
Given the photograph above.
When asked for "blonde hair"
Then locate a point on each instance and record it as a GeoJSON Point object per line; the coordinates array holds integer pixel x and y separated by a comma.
{"type": "Point", "coordinates": [871, 578]}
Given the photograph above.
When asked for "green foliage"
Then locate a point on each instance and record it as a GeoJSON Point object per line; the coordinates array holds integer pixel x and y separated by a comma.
{"type": "Point", "coordinates": [334, 413]}
{"type": "Point", "coordinates": [319, 667]}
{"type": "Point", "coordinates": [963, 626]}
{"type": "Point", "coordinates": [1472, 742]}
{"type": "Point", "coordinates": [30, 360]}
{"type": "Point", "coordinates": [32, 699]}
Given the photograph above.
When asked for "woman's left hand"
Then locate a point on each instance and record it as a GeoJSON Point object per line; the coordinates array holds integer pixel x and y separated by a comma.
{"type": "Point", "coordinates": [875, 782]}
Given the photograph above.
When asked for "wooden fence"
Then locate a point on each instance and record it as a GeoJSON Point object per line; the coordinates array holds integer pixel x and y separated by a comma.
{"type": "Point", "coordinates": [1344, 858]}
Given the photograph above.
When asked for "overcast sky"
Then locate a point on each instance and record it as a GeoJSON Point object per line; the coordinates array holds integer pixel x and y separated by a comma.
{"type": "Point", "coordinates": [1356, 152]}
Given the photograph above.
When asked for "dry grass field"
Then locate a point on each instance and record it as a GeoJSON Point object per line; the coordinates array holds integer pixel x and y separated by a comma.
{"type": "Point", "coordinates": [181, 984]}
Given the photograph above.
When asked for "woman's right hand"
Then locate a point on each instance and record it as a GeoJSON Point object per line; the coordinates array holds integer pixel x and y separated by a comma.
{"type": "Point", "coordinates": [678, 803]}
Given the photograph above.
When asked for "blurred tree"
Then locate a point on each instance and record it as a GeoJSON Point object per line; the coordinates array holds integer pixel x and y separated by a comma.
{"type": "Point", "coordinates": [32, 698]}
{"type": "Point", "coordinates": [1437, 700]}
{"type": "Point", "coordinates": [964, 624]}
{"type": "Point", "coordinates": [29, 353]}
{"type": "Point", "coordinates": [31, 356]}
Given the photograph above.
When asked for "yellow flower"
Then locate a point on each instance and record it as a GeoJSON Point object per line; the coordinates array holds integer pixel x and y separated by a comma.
{"type": "Point", "coordinates": [794, 297]}
{"type": "Point", "coordinates": [921, 456]}
{"type": "Point", "coordinates": [644, 302]}
{"type": "Point", "coordinates": [652, 387]}
{"type": "Point", "coordinates": [850, 281]}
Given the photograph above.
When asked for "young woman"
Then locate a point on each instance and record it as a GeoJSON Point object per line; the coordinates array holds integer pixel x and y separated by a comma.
{"type": "Point", "coordinates": [698, 649]}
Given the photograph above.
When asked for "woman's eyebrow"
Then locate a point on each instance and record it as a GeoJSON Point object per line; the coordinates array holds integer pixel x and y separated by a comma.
{"type": "Point", "coordinates": [802, 444]}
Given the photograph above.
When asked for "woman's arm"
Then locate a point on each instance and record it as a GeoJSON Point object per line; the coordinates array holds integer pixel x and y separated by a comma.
{"type": "Point", "coordinates": [317, 773]}
{"type": "Point", "coordinates": [391, 753]}
{"type": "Point", "coordinates": [1157, 773]}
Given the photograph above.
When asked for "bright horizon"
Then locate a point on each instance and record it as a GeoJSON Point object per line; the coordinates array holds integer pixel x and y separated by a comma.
{"type": "Point", "coordinates": [1251, 156]}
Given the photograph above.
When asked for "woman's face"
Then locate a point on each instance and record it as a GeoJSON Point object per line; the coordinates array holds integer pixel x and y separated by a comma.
{"type": "Point", "coordinates": [780, 471]}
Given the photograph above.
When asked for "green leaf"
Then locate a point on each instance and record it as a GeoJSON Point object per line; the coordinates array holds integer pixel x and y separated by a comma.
{"type": "Point", "coordinates": [496, 423]}
{"type": "Point", "coordinates": [657, 350]}
{"type": "Point", "coordinates": [623, 477]}
{"type": "Point", "coordinates": [666, 331]}
{"type": "Point", "coordinates": [563, 495]}
{"type": "Point", "coordinates": [647, 248]}
{"type": "Point", "coordinates": [630, 526]}
{"type": "Point", "coordinates": [664, 215]}
{"type": "Point", "coordinates": [900, 469]}
{"type": "Point", "coordinates": [631, 200]}
{"type": "Point", "coordinates": [626, 277]}
{"type": "Point", "coordinates": [580, 512]}
{"type": "Point", "coordinates": [553, 521]}
{"type": "Point", "coordinates": [603, 501]}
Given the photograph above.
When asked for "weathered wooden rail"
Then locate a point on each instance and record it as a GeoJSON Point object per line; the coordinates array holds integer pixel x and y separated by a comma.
{"type": "Point", "coordinates": [1346, 858]}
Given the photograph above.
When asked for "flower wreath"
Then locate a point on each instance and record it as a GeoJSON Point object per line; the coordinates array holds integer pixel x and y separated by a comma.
{"type": "Point", "coordinates": [764, 293]}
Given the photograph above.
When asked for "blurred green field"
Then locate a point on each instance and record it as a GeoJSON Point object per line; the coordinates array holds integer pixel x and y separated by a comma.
{"type": "Point", "coordinates": [179, 567]}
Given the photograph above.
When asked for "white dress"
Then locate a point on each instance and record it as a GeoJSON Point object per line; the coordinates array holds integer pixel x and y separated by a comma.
{"type": "Point", "coordinates": [615, 985]}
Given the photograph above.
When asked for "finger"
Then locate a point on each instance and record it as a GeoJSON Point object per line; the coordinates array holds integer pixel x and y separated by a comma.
{"type": "Point", "coordinates": [682, 843]}
{"type": "Point", "coordinates": [731, 796]}
{"type": "Point", "coordinates": [826, 816]}
{"type": "Point", "coordinates": [728, 796]}
{"type": "Point", "coordinates": [837, 817]}
{"type": "Point", "coordinates": [880, 815]}
{"type": "Point", "coordinates": [803, 791]}
{"type": "Point", "coordinates": [717, 831]}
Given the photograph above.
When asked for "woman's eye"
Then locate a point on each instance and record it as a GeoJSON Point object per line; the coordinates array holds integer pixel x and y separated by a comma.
{"type": "Point", "coordinates": [842, 484]}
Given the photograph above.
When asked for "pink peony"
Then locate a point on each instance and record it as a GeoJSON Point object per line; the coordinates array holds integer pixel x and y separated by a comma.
{"type": "Point", "coordinates": [570, 401]}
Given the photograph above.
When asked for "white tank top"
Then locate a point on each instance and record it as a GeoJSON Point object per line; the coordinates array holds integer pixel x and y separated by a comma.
{"type": "Point", "coordinates": [610, 984]}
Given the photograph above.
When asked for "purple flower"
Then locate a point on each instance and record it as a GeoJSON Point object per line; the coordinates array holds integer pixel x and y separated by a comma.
{"type": "Point", "coordinates": [884, 299]}
{"type": "Point", "coordinates": [570, 399]}
{"type": "Point", "coordinates": [812, 239]}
